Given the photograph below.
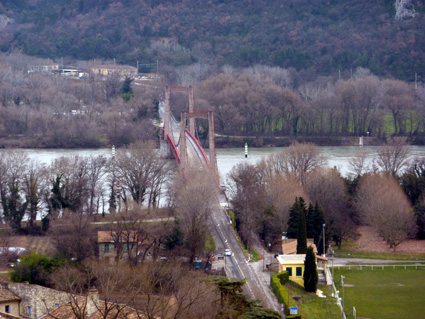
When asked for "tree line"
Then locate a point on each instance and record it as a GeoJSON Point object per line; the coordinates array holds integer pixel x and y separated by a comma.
{"type": "Point", "coordinates": [45, 110]}
{"type": "Point", "coordinates": [268, 102]}
{"type": "Point", "coordinates": [269, 197]}
{"type": "Point", "coordinates": [31, 190]}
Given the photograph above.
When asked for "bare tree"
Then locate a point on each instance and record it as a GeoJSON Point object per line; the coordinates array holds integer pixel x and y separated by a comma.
{"type": "Point", "coordinates": [195, 199]}
{"type": "Point", "coordinates": [398, 98]}
{"type": "Point", "coordinates": [71, 174]}
{"type": "Point", "coordinates": [74, 236]}
{"type": "Point", "coordinates": [357, 163]}
{"type": "Point", "coordinates": [141, 172]}
{"type": "Point", "coordinates": [35, 185]}
{"type": "Point", "coordinates": [280, 193]}
{"type": "Point", "coordinates": [394, 155]}
{"type": "Point", "coordinates": [14, 207]}
{"type": "Point", "coordinates": [298, 159]}
{"type": "Point", "coordinates": [248, 195]}
{"type": "Point", "coordinates": [96, 171]}
{"type": "Point", "coordinates": [157, 290]}
{"type": "Point", "coordinates": [329, 190]}
{"type": "Point", "coordinates": [382, 204]}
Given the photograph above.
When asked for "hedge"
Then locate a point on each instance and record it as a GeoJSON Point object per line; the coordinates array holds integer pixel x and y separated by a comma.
{"type": "Point", "coordinates": [277, 282]}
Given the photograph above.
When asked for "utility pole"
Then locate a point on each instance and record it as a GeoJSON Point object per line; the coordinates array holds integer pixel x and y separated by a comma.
{"type": "Point", "coordinates": [324, 247]}
{"type": "Point", "coordinates": [416, 81]}
{"type": "Point", "coordinates": [342, 280]}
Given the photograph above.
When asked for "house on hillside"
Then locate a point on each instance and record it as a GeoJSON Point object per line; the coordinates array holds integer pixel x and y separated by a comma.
{"type": "Point", "coordinates": [43, 66]}
{"type": "Point", "coordinates": [109, 69]}
{"type": "Point", "coordinates": [117, 245]}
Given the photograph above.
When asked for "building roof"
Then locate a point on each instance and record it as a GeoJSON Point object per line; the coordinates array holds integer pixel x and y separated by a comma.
{"type": "Point", "coordinates": [7, 295]}
{"type": "Point", "coordinates": [110, 236]}
{"type": "Point", "coordinates": [8, 315]}
{"type": "Point", "coordinates": [291, 259]}
{"type": "Point", "coordinates": [115, 67]}
{"type": "Point", "coordinates": [114, 311]}
{"type": "Point", "coordinates": [289, 246]}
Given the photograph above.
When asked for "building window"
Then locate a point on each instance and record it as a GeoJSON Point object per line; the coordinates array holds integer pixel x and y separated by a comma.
{"type": "Point", "coordinates": [7, 309]}
{"type": "Point", "coordinates": [106, 248]}
{"type": "Point", "coordinates": [128, 247]}
{"type": "Point", "coordinates": [29, 310]}
{"type": "Point", "coordinates": [289, 270]}
{"type": "Point", "coordinates": [299, 271]}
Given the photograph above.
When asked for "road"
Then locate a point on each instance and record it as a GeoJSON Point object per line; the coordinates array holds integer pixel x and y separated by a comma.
{"type": "Point", "coordinates": [236, 266]}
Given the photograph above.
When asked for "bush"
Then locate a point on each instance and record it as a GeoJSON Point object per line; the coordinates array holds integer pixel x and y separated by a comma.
{"type": "Point", "coordinates": [34, 269]}
{"type": "Point", "coordinates": [280, 290]}
{"type": "Point", "coordinates": [283, 277]}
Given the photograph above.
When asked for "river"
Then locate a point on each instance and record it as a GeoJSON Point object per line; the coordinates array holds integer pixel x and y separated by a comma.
{"type": "Point", "coordinates": [227, 158]}
{"type": "Point", "coordinates": [337, 156]}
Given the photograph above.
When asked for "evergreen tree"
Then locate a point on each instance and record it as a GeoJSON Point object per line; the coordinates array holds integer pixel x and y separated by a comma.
{"type": "Point", "coordinates": [127, 90]}
{"type": "Point", "coordinates": [310, 276]}
{"type": "Point", "coordinates": [302, 232]}
{"type": "Point", "coordinates": [297, 207]}
{"type": "Point", "coordinates": [314, 220]}
{"type": "Point", "coordinates": [126, 86]}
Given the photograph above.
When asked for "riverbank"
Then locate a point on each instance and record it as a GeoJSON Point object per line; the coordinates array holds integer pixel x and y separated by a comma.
{"type": "Point", "coordinates": [282, 141]}
{"type": "Point", "coordinates": [221, 141]}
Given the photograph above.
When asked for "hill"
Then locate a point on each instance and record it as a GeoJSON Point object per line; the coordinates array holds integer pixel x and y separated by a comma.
{"type": "Point", "coordinates": [321, 37]}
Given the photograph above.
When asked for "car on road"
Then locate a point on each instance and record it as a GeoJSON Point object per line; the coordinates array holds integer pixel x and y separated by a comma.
{"type": "Point", "coordinates": [227, 252]}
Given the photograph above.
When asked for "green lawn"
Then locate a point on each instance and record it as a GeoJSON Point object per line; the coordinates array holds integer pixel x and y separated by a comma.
{"type": "Point", "coordinates": [312, 307]}
{"type": "Point", "coordinates": [384, 293]}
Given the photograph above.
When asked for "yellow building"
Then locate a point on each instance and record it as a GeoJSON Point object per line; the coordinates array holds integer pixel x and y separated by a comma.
{"type": "Point", "coordinates": [294, 265]}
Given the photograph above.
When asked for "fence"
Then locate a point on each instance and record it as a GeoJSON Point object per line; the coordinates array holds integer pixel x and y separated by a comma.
{"type": "Point", "coordinates": [373, 267]}
{"type": "Point", "coordinates": [336, 293]}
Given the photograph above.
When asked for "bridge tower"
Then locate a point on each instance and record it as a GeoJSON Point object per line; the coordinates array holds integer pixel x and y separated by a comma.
{"type": "Point", "coordinates": [191, 115]}
{"type": "Point", "coordinates": [168, 90]}
{"type": "Point", "coordinates": [211, 138]}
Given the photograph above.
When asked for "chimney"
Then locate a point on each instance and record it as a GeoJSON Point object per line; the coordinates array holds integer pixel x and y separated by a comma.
{"type": "Point", "coordinates": [92, 301]}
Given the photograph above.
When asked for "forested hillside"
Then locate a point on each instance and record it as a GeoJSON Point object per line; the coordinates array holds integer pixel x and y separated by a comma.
{"type": "Point", "coordinates": [321, 37]}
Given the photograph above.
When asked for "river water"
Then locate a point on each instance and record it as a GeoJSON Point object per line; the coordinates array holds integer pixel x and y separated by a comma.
{"type": "Point", "coordinates": [227, 158]}
{"type": "Point", "coordinates": [337, 156]}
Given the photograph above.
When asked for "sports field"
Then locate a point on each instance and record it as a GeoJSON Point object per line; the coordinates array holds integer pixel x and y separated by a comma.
{"type": "Point", "coordinates": [383, 293]}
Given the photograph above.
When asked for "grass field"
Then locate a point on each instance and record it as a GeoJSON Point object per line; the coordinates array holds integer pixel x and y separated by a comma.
{"type": "Point", "coordinates": [389, 293]}
{"type": "Point", "coordinates": [312, 307]}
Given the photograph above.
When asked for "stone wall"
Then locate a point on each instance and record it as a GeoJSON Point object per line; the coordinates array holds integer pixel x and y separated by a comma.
{"type": "Point", "coordinates": [40, 299]}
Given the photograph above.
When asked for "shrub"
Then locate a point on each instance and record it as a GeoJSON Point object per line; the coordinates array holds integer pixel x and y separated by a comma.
{"type": "Point", "coordinates": [280, 290]}
{"type": "Point", "coordinates": [283, 277]}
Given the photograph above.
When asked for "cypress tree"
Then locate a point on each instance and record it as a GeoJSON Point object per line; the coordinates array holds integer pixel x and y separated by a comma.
{"type": "Point", "coordinates": [293, 220]}
{"type": "Point", "coordinates": [302, 230]}
{"type": "Point", "coordinates": [311, 278]}
{"type": "Point", "coordinates": [314, 220]}
{"type": "Point", "coordinates": [310, 221]}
